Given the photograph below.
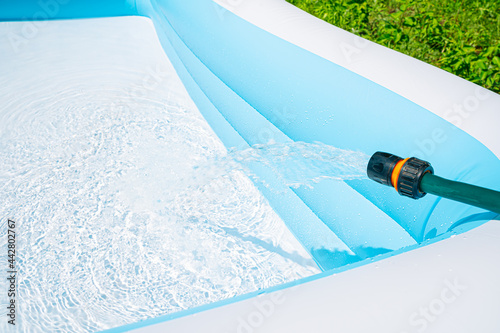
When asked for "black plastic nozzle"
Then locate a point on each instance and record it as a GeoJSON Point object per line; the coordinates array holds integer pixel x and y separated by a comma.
{"type": "Point", "coordinates": [404, 175]}
{"type": "Point", "coordinates": [381, 166]}
{"type": "Point", "coordinates": [415, 178]}
{"type": "Point", "coordinates": [410, 176]}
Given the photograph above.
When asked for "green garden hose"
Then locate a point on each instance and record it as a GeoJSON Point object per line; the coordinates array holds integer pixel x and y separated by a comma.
{"type": "Point", "coordinates": [415, 178]}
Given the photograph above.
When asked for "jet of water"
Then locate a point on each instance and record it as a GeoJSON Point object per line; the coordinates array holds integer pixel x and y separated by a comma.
{"type": "Point", "coordinates": [296, 164]}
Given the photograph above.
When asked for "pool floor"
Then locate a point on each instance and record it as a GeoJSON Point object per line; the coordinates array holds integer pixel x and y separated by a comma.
{"type": "Point", "coordinates": [99, 149]}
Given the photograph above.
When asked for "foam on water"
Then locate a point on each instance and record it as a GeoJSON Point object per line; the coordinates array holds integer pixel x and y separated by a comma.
{"type": "Point", "coordinates": [127, 205]}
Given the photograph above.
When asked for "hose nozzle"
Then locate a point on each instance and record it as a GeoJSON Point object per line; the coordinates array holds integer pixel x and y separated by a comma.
{"type": "Point", "coordinates": [402, 174]}
{"type": "Point", "coordinates": [415, 178]}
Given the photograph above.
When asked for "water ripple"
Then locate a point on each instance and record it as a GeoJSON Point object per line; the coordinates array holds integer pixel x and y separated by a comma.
{"type": "Point", "coordinates": [109, 232]}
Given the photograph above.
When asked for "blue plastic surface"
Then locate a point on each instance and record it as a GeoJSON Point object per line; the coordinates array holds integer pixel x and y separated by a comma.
{"type": "Point", "coordinates": [64, 9]}
{"type": "Point", "coordinates": [323, 102]}
{"type": "Point", "coordinates": [252, 86]}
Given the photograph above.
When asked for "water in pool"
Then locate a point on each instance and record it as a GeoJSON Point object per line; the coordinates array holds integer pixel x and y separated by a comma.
{"type": "Point", "coordinates": [127, 205]}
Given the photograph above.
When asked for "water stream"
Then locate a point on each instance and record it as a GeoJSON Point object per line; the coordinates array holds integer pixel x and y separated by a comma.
{"type": "Point", "coordinates": [127, 205]}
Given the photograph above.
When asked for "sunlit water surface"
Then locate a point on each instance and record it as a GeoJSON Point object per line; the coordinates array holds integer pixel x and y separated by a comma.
{"type": "Point", "coordinates": [127, 205]}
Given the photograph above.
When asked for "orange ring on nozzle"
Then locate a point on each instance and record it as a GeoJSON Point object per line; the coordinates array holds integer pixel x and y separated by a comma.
{"type": "Point", "coordinates": [396, 172]}
{"type": "Point", "coordinates": [404, 175]}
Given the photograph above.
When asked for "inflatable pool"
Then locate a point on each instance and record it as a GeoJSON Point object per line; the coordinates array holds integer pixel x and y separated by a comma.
{"type": "Point", "coordinates": [264, 71]}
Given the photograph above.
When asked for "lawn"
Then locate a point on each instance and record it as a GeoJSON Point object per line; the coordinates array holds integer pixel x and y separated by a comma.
{"type": "Point", "coordinates": [459, 36]}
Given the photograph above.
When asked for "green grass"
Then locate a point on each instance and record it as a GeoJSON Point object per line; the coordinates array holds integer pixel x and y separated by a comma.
{"type": "Point", "coordinates": [459, 36]}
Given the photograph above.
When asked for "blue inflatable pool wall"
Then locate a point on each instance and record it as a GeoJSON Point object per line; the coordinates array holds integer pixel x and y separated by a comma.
{"type": "Point", "coordinates": [253, 87]}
